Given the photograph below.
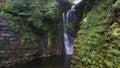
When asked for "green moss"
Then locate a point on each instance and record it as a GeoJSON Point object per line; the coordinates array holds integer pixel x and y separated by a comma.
{"type": "Point", "coordinates": [49, 41]}
{"type": "Point", "coordinates": [96, 45]}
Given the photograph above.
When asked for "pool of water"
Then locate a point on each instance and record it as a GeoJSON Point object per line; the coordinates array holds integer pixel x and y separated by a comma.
{"type": "Point", "coordinates": [62, 61]}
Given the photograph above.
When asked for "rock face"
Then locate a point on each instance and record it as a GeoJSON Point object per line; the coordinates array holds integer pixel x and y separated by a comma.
{"type": "Point", "coordinates": [12, 52]}
{"type": "Point", "coordinates": [10, 48]}
{"type": "Point", "coordinates": [7, 37]}
{"type": "Point", "coordinates": [64, 5]}
{"type": "Point", "coordinates": [9, 41]}
{"type": "Point", "coordinates": [97, 42]}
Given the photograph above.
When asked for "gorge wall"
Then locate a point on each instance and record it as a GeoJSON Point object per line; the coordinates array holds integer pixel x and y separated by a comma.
{"type": "Point", "coordinates": [22, 40]}
{"type": "Point", "coordinates": [97, 41]}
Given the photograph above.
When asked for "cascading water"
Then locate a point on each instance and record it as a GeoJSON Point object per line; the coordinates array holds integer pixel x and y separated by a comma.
{"type": "Point", "coordinates": [68, 17]}
{"type": "Point", "coordinates": [77, 1]}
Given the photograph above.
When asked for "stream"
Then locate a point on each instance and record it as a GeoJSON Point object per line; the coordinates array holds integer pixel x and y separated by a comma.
{"type": "Point", "coordinates": [62, 61]}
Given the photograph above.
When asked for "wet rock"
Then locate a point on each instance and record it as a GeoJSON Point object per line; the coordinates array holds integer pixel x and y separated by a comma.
{"type": "Point", "coordinates": [6, 35]}
{"type": "Point", "coordinates": [4, 28]}
{"type": "Point", "coordinates": [1, 38]}
{"type": "Point", "coordinates": [9, 41]}
{"type": "Point", "coordinates": [13, 39]}
{"type": "Point", "coordinates": [3, 23]}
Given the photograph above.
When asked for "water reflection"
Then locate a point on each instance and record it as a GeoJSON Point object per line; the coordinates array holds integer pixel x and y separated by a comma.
{"type": "Point", "coordinates": [62, 61]}
{"type": "Point", "coordinates": [67, 61]}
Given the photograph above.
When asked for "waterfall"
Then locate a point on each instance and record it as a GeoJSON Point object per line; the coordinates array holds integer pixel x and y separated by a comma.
{"type": "Point", "coordinates": [68, 17]}
{"type": "Point", "coordinates": [77, 1]}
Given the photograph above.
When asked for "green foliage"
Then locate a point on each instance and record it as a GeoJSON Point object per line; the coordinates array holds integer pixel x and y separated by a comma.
{"type": "Point", "coordinates": [117, 4]}
{"type": "Point", "coordinates": [32, 14]}
{"type": "Point", "coordinates": [29, 36]}
{"type": "Point", "coordinates": [12, 20]}
{"type": "Point", "coordinates": [7, 6]}
{"type": "Point", "coordinates": [97, 44]}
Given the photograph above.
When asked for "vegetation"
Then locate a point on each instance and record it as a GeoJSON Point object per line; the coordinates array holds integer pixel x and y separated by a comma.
{"type": "Point", "coordinates": [97, 42]}
{"type": "Point", "coordinates": [31, 18]}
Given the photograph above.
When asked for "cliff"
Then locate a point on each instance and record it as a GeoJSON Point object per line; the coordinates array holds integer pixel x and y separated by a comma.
{"type": "Point", "coordinates": [29, 31]}
{"type": "Point", "coordinates": [97, 41]}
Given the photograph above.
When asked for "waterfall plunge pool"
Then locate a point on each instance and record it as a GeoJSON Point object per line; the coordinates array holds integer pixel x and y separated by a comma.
{"type": "Point", "coordinates": [62, 61]}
